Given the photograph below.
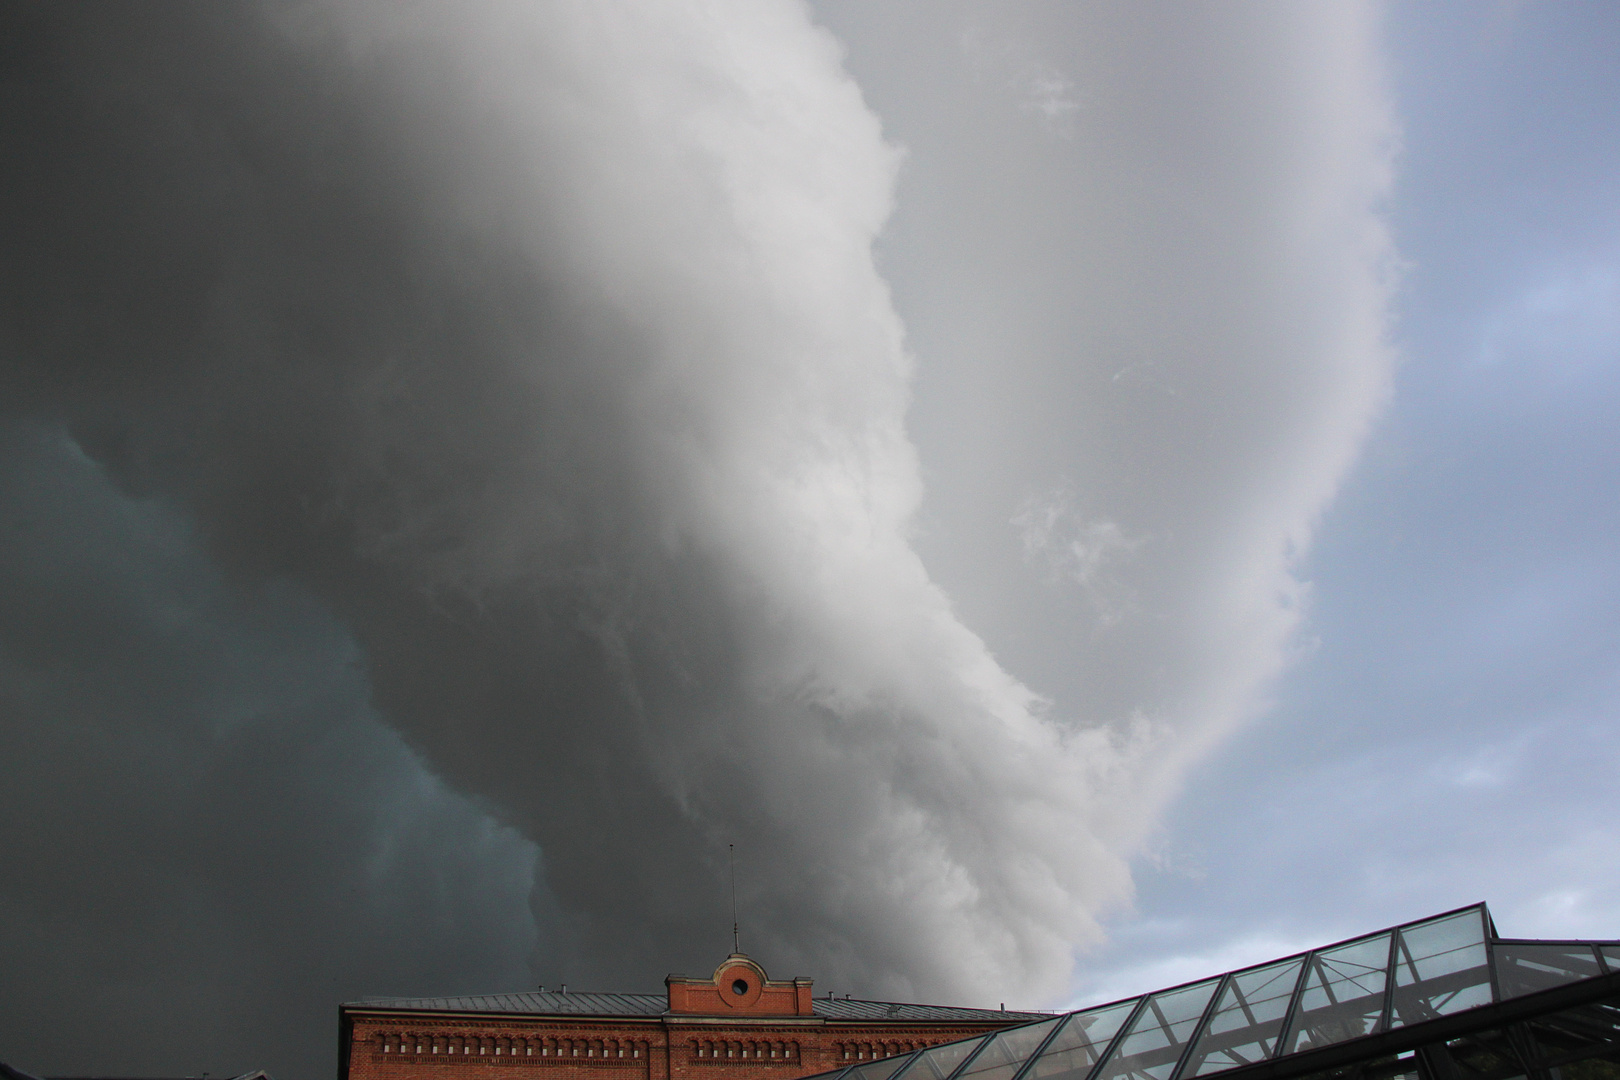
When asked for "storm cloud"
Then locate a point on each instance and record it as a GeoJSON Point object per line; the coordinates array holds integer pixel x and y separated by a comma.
{"type": "Point", "coordinates": [519, 382]}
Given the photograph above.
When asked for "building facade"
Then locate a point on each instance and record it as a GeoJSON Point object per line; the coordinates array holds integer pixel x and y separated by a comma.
{"type": "Point", "coordinates": [736, 1024]}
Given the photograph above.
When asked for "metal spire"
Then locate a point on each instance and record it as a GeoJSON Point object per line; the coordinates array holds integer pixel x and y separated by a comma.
{"type": "Point", "coordinates": [731, 858]}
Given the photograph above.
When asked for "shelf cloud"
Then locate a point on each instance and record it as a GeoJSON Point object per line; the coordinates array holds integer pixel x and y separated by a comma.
{"type": "Point", "coordinates": [540, 352]}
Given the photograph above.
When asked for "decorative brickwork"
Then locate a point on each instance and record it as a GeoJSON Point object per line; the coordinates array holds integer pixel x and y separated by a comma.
{"type": "Point", "coordinates": [739, 987]}
{"type": "Point", "coordinates": [736, 1024]}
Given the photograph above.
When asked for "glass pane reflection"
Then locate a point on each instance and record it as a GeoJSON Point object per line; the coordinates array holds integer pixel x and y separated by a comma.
{"type": "Point", "coordinates": [1525, 968]}
{"type": "Point", "coordinates": [1386, 1067]}
{"type": "Point", "coordinates": [879, 1070]}
{"type": "Point", "coordinates": [1247, 1019]}
{"type": "Point", "coordinates": [939, 1062]}
{"type": "Point", "coordinates": [1583, 1031]}
{"type": "Point", "coordinates": [1343, 996]}
{"type": "Point", "coordinates": [1007, 1051]}
{"type": "Point", "coordinates": [1440, 968]}
{"type": "Point", "coordinates": [1484, 1055]}
{"type": "Point", "coordinates": [1160, 1032]}
{"type": "Point", "coordinates": [1074, 1050]}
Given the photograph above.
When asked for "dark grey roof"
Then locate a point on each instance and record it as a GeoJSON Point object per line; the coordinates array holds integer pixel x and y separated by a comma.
{"type": "Point", "coordinates": [847, 1009]}
{"type": "Point", "coordinates": [552, 1003]}
{"type": "Point", "coordinates": [11, 1074]}
{"type": "Point", "coordinates": [543, 1002]}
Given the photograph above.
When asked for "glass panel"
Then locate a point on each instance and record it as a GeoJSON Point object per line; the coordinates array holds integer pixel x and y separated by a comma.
{"type": "Point", "coordinates": [1077, 1046]}
{"type": "Point", "coordinates": [879, 1070]}
{"type": "Point", "coordinates": [1484, 1055]}
{"type": "Point", "coordinates": [1593, 1068]}
{"type": "Point", "coordinates": [1389, 1067]}
{"type": "Point", "coordinates": [1584, 1031]}
{"type": "Point", "coordinates": [939, 1062]}
{"type": "Point", "coordinates": [1611, 953]}
{"type": "Point", "coordinates": [1440, 968]}
{"type": "Point", "coordinates": [1152, 1047]}
{"type": "Point", "coordinates": [1247, 1019]}
{"type": "Point", "coordinates": [1524, 969]}
{"type": "Point", "coordinates": [1008, 1050]}
{"type": "Point", "coordinates": [1343, 996]}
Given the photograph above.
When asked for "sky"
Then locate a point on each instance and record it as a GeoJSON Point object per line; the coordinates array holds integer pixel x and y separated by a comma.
{"type": "Point", "coordinates": [1082, 496]}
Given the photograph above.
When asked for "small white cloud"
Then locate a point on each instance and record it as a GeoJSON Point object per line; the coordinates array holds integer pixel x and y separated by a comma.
{"type": "Point", "coordinates": [1069, 547]}
{"type": "Point", "coordinates": [1557, 328]}
{"type": "Point", "coordinates": [1048, 93]}
{"type": "Point", "coordinates": [1039, 87]}
{"type": "Point", "coordinates": [1495, 765]}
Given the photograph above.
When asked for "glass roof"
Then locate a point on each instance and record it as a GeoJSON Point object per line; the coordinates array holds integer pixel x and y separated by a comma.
{"type": "Point", "coordinates": [1381, 982]}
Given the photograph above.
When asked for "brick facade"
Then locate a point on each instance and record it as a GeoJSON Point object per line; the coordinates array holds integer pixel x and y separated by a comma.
{"type": "Point", "coordinates": [734, 1025]}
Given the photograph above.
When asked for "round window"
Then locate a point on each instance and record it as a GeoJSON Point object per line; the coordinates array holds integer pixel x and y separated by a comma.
{"type": "Point", "coordinates": [740, 987]}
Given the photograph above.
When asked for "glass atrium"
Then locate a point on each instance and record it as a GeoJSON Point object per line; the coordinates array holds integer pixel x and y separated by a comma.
{"type": "Point", "coordinates": [1439, 999]}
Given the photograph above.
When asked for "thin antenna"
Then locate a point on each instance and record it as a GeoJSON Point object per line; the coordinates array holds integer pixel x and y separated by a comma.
{"type": "Point", "coordinates": [732, 859]}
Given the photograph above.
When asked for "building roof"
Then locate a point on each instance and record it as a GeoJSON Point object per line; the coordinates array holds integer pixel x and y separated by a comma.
{"type": "Point", "coordinates": [555, 1003]}
{"type": "Point", "coordinates": [256, 1074]}
{"type": "Point", "coordinates": [850, 1009]}
{"type": "Point", "coordinates": [8, 1072]}
{"type": "Point", "coordinates": [1429, 999]}
{"type": "Point", "coordinates": [544, 1003]}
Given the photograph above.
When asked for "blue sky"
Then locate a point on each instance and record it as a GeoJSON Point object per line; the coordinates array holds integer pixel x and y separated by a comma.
{"type": "Point", "coordinates": [1449, 732]}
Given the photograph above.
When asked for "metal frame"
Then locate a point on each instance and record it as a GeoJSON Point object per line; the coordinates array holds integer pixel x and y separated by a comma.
{"type": "Point", "coordinates": [1035, 1054]}
{"type": "Point", "coordinates": [1385, 1037]}
{"type": "Point", "coordinates": [1126, 1028]}
{"type": "Point", "coordinates": [1203, 1022]}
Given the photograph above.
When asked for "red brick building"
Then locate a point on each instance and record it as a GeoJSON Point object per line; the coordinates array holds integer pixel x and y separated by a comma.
{"type": "Point", "coordinates": [734, 1025]}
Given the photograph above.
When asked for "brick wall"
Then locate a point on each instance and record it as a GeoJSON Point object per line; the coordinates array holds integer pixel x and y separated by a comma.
{"type": "Point", "coordinates": [432, 1046]}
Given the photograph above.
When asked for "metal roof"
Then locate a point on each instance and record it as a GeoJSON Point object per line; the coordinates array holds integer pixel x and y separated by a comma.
{"type": "Point", "coordinates": [555, 1003]}
{"type": "Point", "coordinates": [850, 1009]}
{"type": "Point", "coordinates": [1446, 992]}
{"type": "Point", "coordinates": [541, 1002]}
{"type": "Point", "coordinates": [8, 1073]}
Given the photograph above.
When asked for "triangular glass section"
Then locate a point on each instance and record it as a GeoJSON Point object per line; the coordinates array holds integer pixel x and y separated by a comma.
{"type": "Point", "coordinates": [879, 1070]}
{"type": "Point", "coordinates": [1342, 996]}
{"type": "Point", "coordinates": [1525, 967]}
{"type": "Point", "coordinates": [1160, 1032]}
{"type": "Point", "coordinates": [1074, 1050]}
{"type": "Point", "coordinates": [1440, 968]}
{"type": "Point", "coordinates": [1007, 1051]}
{"type": "Point", "coordinates": [830, 1074]}
{"type": "Point", "coordinates": [939, 1062]}
{"type": "Point", "coordinates": [1247, 1020]}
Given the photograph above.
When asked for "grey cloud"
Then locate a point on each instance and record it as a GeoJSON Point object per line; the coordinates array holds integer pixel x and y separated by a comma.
{"type": "Point", "coordinates": [609, 495]}
{"type": "Point", "coordinates": [209, 836]}
{"type": "Point", "coordinates": [544, 349]}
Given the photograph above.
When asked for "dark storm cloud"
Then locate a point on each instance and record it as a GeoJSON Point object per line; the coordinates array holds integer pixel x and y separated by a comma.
{"type": "Point", "coordinates": [209, 837]}
{"type": "Point", "coordinates": [540, 352]}
{"type": "Point", "coordinates": [610, 496]}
